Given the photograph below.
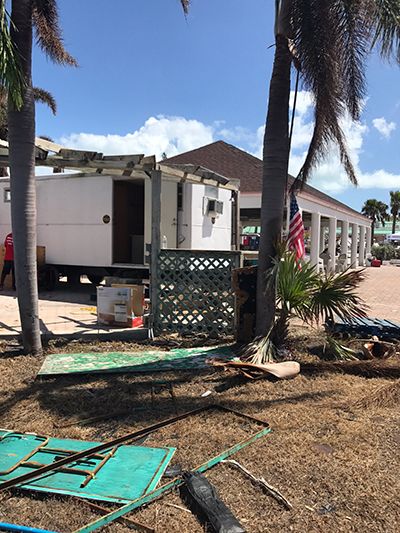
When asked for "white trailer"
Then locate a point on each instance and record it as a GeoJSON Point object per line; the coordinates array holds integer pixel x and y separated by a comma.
{"type": "Point", "coordinates": [99, 224]}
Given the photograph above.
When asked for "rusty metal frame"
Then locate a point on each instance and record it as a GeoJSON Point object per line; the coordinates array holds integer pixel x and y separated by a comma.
{"type": "Point", "coordinates": [178, 481]}
{"type": "Point", "coordinates": [24, 460]}
{"type": "Point", "coordinates": [106, 445]}
{"type": "Point", "coordinates": [89, 474]}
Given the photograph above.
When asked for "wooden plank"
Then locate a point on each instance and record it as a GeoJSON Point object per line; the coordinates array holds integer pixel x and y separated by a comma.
{"type": "Point", "coordinates": [48, 145]}
{"type": "Point", "coordinates": [40, 153]}
{"type": "Point", "coordinates": [80, 155]}
{"type": "Point", "coordinates": [155, 236]}
{"type": "Point", "coordinates": [129, 158]}
{"type": "Point", "coordinates": [82, 164]}
{"type": "Point", "coordinates": [173, 174]}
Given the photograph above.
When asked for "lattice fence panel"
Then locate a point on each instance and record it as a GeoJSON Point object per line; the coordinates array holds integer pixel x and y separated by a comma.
{"type": "Point", "coordinates": [195, 292]}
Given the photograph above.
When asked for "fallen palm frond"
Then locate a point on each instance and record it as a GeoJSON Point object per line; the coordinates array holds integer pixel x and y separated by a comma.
{"type": "Point", "coordinates": [341, 352]}
{"type": "Point", "coordinates": [385, 396]}
{"type": "Point", "coordinates": [376, 368]}
{"type": "Point", "coordinates": [261, 350]}
{"type": "Point", "coordinates": [285, 370]}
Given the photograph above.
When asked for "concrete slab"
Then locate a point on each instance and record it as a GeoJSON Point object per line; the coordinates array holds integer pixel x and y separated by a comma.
{"type": "Point", "coordinates": [70, 311]}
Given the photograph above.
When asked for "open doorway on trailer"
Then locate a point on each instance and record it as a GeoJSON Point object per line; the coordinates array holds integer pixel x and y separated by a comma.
{"type": "Point", "coordinates": [128, 226]}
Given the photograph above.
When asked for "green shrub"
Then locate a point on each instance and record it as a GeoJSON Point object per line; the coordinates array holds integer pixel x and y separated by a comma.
{"type": "Point", "coordinates": [385, 252]}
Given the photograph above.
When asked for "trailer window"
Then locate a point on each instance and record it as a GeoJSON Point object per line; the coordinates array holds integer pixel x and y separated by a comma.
{"type": "Point", "coordinates": [7, 195]}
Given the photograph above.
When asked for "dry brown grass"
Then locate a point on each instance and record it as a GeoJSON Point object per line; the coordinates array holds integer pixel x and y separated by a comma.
{"type": "Point", "coordinates": [324, 447]}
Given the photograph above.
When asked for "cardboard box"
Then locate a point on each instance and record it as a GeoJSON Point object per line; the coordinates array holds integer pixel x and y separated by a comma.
{"type": "Point", "coordinates": [137, 296]}
{"type": "Point", "coordinates": [114, 307]}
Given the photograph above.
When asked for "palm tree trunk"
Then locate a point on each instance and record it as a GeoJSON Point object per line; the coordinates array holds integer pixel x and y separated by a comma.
{"type": "Point", "coordinates": [372, 231]}
{"type": "Point", "coordinates": [394, 223]}
{"type": "Point", "coordinates": [22, 180]}
{"type": "Point", "coordinates": [275, 169]}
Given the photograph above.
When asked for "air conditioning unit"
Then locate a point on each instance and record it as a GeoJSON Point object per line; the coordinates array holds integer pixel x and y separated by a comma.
{"type": "Point", "coordinates": [212, 207]}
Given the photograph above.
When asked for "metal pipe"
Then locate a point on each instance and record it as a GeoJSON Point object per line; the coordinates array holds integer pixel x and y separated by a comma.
{"type": "Point", "coordinates": [13, 527]}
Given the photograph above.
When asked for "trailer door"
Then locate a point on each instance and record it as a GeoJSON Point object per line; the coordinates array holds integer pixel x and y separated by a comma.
{"type": "Point", "coordinates": [128, 222]}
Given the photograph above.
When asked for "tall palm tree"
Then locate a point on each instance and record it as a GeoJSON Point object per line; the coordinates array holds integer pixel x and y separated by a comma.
{"type": "Point", "coordinates": [328, 41]}
{"type": "Point", "coordinates": [394, 207]}
{"type": "Point", "coordinates": [43, 16]}
{"type": "Point", "coordinates": [376, 211]}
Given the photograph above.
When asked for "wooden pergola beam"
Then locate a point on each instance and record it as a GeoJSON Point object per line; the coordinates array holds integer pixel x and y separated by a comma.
{"type": "Point", "coordinates": [126, 166]}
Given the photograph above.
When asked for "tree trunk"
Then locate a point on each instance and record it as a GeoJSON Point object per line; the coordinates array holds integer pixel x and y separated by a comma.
{"type": "Point", "coordinates": [394, 222]}
{"type": "Point", "coordinates": [372, 231]}
{"type": "Point", "coordinates": [21, 126]}
{"type": "Point", "coordinates": [275, 170]}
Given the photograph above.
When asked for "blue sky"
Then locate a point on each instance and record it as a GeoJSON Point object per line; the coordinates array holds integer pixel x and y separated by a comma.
{"type": "Point", "coordinates": [150, 81]}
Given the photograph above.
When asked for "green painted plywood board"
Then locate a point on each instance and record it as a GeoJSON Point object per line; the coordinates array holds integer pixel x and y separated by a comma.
{"type": "Point", "coordinates": [180, 359]}
{"type": "Point", "coordinates": [130, 473]}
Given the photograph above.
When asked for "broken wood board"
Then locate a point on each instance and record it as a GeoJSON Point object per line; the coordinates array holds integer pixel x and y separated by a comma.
{"type": "Point", "coordinates": [122, 476]}
{"type": "Point", "coordinates": [179, 359]}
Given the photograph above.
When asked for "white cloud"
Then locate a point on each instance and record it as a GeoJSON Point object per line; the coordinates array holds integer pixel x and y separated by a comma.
{"type": "Point", "coordinates": [172, 135]}
{"type": "Point", "coordinates": [175, 135]}
{"type": "Point", "coordinates": [383, 127]}
{"type": "Point", "coordinates": [330, 176]}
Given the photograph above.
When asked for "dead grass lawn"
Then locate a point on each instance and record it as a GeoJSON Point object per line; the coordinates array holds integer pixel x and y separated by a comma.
{"type": "Point", "coordinates": [323, 447]}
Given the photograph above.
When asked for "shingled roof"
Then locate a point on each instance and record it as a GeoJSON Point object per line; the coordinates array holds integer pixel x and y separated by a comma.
{"type": "Point", "coordinates": [234, 163]}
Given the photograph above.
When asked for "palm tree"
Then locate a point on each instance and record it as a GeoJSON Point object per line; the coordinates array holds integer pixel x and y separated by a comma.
{"type": "Point", "coordinates": [377, 212]}
{"type": "Point", "coordinates": [394, 207]}
{"type": "Point", "coordinates": [328, 42]}
{"type": "Point", "coordinates": [43, 16]}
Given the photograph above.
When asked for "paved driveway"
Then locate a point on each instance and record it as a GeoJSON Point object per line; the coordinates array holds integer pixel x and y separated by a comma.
{"type": "Point", "coordinates": [72, 310]}
{"type": "Point", "coordinates": [381, 291]}
{"type": "Point", "coordinates": [69, 310]}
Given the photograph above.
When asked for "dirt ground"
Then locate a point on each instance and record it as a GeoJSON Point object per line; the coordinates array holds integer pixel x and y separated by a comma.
{"type": "Point", "coordinates": [336, 463]}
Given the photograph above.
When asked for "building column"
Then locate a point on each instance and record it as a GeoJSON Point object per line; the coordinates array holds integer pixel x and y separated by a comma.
{"type": "Point", "coordinates": [344, 249]}
{"type": "Point", "coordinates": [315, 238]}
{"type": "Point", "coordinates": [322, 239]}
{"type": "Point", "coordinates": [369, 235]}
{"type": "Point", "coordinates": [332, 244]}
{"type": "Point", "coordinates": [361, 250]}
{"type": "Point", "coordinates": [354, 245]}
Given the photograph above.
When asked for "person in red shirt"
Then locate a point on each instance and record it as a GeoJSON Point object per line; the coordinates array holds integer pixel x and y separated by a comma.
{"type": "Point", "coordinates": [8, 261]}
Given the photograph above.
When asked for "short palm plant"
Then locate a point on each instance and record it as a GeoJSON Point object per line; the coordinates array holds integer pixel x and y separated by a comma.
{"type": "Point", "coordinates": [306, 294]}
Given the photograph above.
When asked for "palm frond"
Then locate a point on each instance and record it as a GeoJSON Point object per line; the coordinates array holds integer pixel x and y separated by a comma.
{"type": "Point", "coordinates": [331, 44]}
{"type": "Point", "coordinates": [45, 97]}
{"type": "Point", "coordinates": [335, 295]}
{"type": "Point", "coordinates": [385, 23]}
{"type": "Point", "coordinates": [341, 352]}
{"type": "Point", "coordinates": [260, 351]}
{"type": "Point", "coordinates": [185, 5]}
{"type": "Point", "coordinates": [11, 75]}
{"type": "Point", "coordinates": [48, 32]}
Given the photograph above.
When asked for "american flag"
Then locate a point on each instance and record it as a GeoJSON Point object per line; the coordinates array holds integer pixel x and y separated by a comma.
{"type": "Point", "coordinates": [296, 230]}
